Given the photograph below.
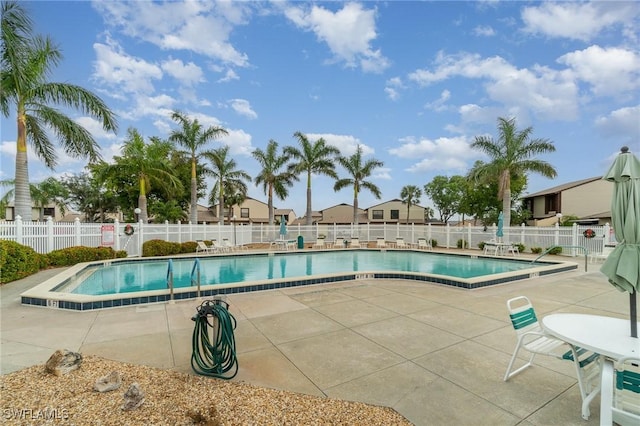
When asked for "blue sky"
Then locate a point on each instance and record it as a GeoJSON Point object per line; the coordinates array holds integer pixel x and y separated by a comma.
{"type": "Point", "coordinates": [411, 82]}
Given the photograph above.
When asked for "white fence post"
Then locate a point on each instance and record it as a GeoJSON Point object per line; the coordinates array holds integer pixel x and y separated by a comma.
{"type": "Point", "coordinates": [116, 227]}
{"type": "Point", "coordinates": [76, 228]}
{"type": "Point", "coordinates": [468, 236]}
{"type": "Point", "coordinates": [448, 238]}
{"type": "Point", "coordinates": [607, 233]}
{"type": "Point", "coordinates": [19, 230]}
{"type": "Point", "coordinates": [49, 234]}
{"type": "Point", "coordinates": [522, 233]}
{"type": "Point", "coordinates": [140, 237]}
{"type": "Point", "coordinates": [556, 236]}
{"type": "Point", "coordinates": [166, 230]}
{"type": "Point", "coordinates": [574, 238]}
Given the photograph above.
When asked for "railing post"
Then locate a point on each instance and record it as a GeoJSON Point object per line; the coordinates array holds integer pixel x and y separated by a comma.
{"type": "Point", "coordinates": [49, 234]}
{"type": "Point", "coordinates": [140, 237]}
{"type": "Point", "coordinates": [77, 232]}
{"type": "Point", "coordinates": [574, 238]}
{"type": "Point", "coordinates": [19, 230]}
{"type": "Point", "coordinates": [116, 237]}
{"type": "Point", "coordinates": [166, 230]}
{"type": "Point", "coordinates": [448, 238]}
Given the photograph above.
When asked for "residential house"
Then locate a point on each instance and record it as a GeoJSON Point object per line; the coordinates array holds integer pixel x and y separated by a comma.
{"type": "Point", "coordinates": [37, 213]}
{"type": "Point", "coordinates": [588, 199]}
{"type": "Point", "coordinates": [252, 211]}
{"type": "Point", "coordinates": [341, 214]}
{"type": "Point", "coordinates": [395, 211]}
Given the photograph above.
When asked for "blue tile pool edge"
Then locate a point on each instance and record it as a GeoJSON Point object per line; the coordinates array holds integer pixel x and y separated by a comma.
{"type": "Point", "coordinates": [160, 296]}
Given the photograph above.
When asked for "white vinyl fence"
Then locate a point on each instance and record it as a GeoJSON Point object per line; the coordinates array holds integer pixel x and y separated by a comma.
{"type": "Point", "coordinates": [47, 236]}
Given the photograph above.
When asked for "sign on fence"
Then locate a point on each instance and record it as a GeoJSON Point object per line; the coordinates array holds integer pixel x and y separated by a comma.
{"type": "Point", "coordinates": [108, 235]}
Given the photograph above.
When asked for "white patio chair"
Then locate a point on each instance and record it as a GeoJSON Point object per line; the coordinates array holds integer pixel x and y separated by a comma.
{"type": "Point", "coordinates": [338, 243]}
{"type": "Point", "coordinates": [620, 400]}
{"type": "Point", "coordinates": [532, 338]}
{"type": "Point", "coordinates": [202, 247]}
{"type": "Point", "coordinates": [491, 247]}
{"type": "Point", "coordinates": [226, 244]}
{"type": "Point", "coordinates": [355, 242]}
{"type": "Point", "coordinates": [381, 243]}
{"type": "Point", "coordinates": [319, 243]}
{"type": "Point", "coordinates": [423, 244]}
{"type": "Point", "coordinates": [401, 244]}
{"type": "Point", "coordinates": [218, 247]}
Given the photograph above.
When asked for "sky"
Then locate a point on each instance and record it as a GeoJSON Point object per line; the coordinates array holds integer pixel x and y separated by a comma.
{"type": "Point", "coordinates": [412, 82]}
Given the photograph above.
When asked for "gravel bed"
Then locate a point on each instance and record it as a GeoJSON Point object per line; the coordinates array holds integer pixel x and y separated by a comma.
{"type": "Point", "coordinates": [32, 396]}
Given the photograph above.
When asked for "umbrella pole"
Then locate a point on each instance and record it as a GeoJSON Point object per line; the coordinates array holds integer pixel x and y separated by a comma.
{"type": "Point", "coordinates": [634, 316]}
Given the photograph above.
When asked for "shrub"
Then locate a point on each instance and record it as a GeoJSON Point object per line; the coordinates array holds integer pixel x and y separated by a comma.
{"type": "Point", "coordinates": [160, 248]}
{"type": "Point", "coordinates": [521, 247]}
{"type": "Point", "coordinates": [18, 261]}
{"type": "Point", "coordinates": [462, 243]}
{"type": "Point", "coordinates": [72, 255]}
{"type": "Point", "coordinates": [189, 247]}
{"type": "Point", "coordinates": [555, 250]}
{"type": "Point", "coordinates": [434, 243]}
{"type": "Point", "coordinates": [481, 245]}
{"type": "Point", "coordinates": [536, 250]}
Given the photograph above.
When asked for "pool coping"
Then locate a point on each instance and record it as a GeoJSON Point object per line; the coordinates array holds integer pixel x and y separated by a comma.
{"type": "Point", "coordinates": [43, 296]}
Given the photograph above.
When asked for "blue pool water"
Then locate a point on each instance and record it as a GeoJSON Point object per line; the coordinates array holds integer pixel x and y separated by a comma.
{"type": "Point", "coordinates": [125, 277]}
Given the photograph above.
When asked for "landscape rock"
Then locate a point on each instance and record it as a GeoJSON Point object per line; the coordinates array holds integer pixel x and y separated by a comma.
{"type": "Point", "coordinates": [108, 383]}
{"type": "Point", "coordinates": [133, 397]}
{"type": "Point", "coordinates": [63, 361]}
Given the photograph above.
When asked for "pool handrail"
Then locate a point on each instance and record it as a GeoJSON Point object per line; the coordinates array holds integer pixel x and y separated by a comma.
{"type": "Point", "coordinates": [584, 249]}
{"type": "Point", "coordinates": [170, 278]}
{"type": "Point", "coordinates": [196, 268]}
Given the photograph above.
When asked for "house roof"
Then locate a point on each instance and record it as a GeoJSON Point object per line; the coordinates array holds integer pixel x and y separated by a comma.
{"type": "Point", "coordinates": [563, 187]}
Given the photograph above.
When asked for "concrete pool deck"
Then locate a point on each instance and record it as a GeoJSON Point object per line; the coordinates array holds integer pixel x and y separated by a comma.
{"type": "Point", "coordinates": [434, 353]}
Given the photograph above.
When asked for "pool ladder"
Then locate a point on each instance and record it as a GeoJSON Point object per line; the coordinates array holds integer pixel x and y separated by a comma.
{"type": "Point", "coordinates": [195, 276]}
{"type": "Point", "coordinates": [170, 278]}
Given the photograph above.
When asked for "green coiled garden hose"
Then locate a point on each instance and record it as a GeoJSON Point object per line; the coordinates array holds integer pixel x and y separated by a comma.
{"type": "Point", "coordinates": [213, 344]}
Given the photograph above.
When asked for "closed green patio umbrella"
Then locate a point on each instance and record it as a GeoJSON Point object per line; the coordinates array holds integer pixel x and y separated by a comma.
{"type": "Point", "coordinates": [500, 231]}
{"type": "Point", "coordinates": [283, 228]}
{"type": "Point", "coordinates": [622, 266]}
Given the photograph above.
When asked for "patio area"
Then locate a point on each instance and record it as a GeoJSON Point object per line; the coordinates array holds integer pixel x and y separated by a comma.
{"type": "Point", "coordinates": [435, 354]}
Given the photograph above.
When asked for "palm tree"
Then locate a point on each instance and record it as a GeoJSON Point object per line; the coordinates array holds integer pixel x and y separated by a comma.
{"type": "Point", "coordinates": [193, 137]}
{"type": "Point", "coordinates": [224, 170]}
{"type": "Point", "coordinates": [147, 163]}
{"type": "Point", "coordinates": [511, 155]}
{"type": "Point", "coordinates": [27, 60]}
{"type": "Point", "coordinates": [271, 177]}
{"type": "Point", "coordinates": [359, 172]}
{"type": "Point", "coordinates": [410, 195]}
{"type": "Point", "coordinates": [312, 158]}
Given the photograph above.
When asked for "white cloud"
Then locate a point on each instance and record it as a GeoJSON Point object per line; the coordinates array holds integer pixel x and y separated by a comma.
{"type": "Point", "coordinates": [393, 87]}
{"type": "Point", "coordinates": [230, 75]}
{"type": "Point", "coordinates": [439, 104]}
{"type": "Point", "coordinates": [345, 143]}
{"type": "Point", "coordinates": [439, 154]}
{"type": "Point", "coordinates": [122, 72]}
{"type": "Point", "coordinates": [545, 92]}
{"type": "Point", "coordinates": [200, 27]}
{"type": "Point", "coordinates": [95, 128]}
{"type": "Point", "coordinates": [187, 74]}
{"type": "Point", "coordinates": [348, 33]}
{"type": "Point", "coordinates": [623, 124]}
{"type": "Point", "coordinates": [239, 142]}
{"type": "Point", "coordinates": [578, 20]}
{"type": "Point", "coordinates": [243, 107]}
{"type": "Point", "coordinates": [610, 71]}
{"type": "Point", "coordinates": [484, 31]}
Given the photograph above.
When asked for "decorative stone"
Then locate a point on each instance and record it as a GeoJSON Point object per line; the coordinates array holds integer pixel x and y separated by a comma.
{"type": "Point", "coordinates": [108, 383]}
{"type": "Point", "coordinates": [63, 361]}
{"type": "Point", "coordinates": [133, 397]}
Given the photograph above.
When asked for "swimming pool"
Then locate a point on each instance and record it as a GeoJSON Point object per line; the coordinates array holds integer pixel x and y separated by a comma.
{"type": "Point", "coordinates": [128, 282]}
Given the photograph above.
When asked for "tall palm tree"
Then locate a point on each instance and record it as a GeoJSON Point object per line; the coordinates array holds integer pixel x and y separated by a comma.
{"type": "Point", "coordinates": [410, 195]}
{"type": "Point", "coordinates": [50, 190]}
{"type": "Point", "coordinates": [147, 163]}
{"type": "Point", "coordinates": [358, 172]}
{"type": "Point", "coordinates": [27, 61]}
{"type": "Point", "coordinates": [312, 158]}
{"type": "Point", "coordinates": [512, 154]}
{"type": "Point", "coordinates": [226, 173]}
{"type": "Point", "coordinates": [193, 137]}
{"type": "Point", "coordinates": [272, 178]}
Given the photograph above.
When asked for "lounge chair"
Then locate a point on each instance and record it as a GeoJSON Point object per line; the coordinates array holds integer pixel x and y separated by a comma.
{"type": "Point", "coordinates": [216, 246]}
{"type": "Point", "coordinates": [381, 243]}
{"type": "Point", "coordinates": [400, 243]}
{"type": "Point", "coordinates": [319, 243]}
{"type": "Point", "coordinates": [620, 401]}
{"type": "Point", "coordinates": [533, 338]}
{"type": "Point", "coordinates": [202, 247]}
{"type": "Point", "coordinates": [423, 244]}
{"type": "Point", "coordinates": [355, 242]}
{"type": "Point", "coordinates": [338, 243]}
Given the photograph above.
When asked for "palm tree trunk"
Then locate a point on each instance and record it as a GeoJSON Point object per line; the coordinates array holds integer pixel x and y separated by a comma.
{"type": "Point", "coordinates": [270, 204]}
{"type": "Point", "coordinates": [194, 201]}
{"type": "Point", "coordinates": [355, 209]}
{"type": "Point", "coordinates": [506, 207]}
{"type": "Point", "coordinates": [22, 194]}
{"type": "Point", "coordinates": [309, 218]}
